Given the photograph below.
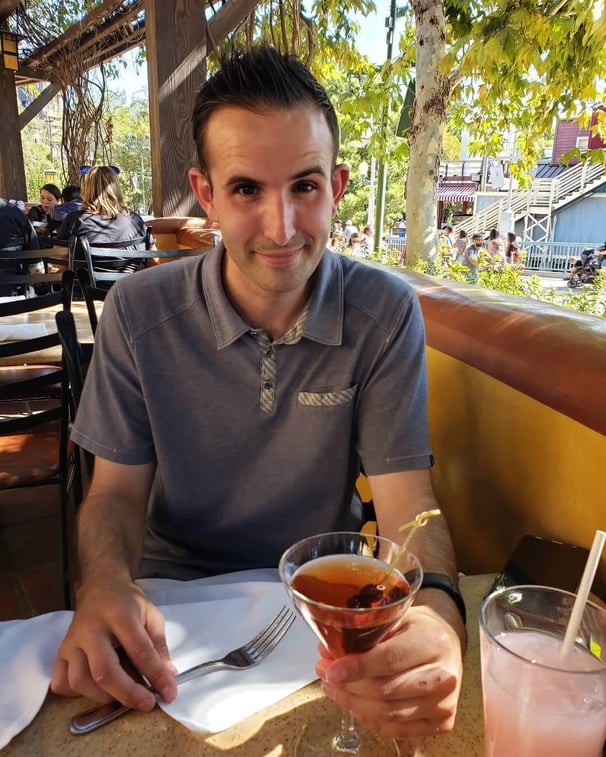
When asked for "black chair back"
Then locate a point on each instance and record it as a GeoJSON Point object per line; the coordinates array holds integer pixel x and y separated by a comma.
{"type": "Point", "coordinates": [78, 245]}
{"type": "Point", "coordinates": [92, 297]}
{"type": "Point", "coordinates": [34, 419]}
{"type": "Point", "coordinates": [76, 358]}
{"type": "Point", "coordinates": [15, 276]}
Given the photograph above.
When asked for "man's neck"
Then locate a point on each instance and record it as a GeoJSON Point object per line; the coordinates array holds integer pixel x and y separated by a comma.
{"type": "Point", "coordinates": [274, 317]}
{"type": "Point", "coordinates": [274, 312]}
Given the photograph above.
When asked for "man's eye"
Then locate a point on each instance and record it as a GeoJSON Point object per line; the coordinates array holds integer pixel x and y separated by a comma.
{"type": "Point", "coordinates": [245, 189]}
{"type": "Point", "coordinates": [305, 186]}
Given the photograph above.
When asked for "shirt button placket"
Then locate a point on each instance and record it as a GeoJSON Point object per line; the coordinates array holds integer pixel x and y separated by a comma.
{"type": "Point", "coordinates": [268, 378]}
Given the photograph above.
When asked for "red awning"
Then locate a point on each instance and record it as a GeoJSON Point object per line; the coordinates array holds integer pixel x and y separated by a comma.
{"type": "Point", "coordinates": [456, 192]}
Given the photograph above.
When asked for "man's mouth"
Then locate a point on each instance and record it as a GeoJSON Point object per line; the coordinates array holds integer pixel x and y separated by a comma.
{"type": "Point", "coordinates": [280, 257]}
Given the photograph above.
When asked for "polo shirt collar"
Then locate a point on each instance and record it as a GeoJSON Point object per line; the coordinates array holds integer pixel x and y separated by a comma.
{"type": "Point", "coordinates": [324, 322]}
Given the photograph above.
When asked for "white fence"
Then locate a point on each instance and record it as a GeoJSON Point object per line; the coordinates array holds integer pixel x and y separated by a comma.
{"type": "Point", "coordinates": [553, 256]}
{"type": "Point", "coordinates": [538, 256]}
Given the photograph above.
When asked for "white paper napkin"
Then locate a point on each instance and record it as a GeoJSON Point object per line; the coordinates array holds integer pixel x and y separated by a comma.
{"type": "Point", "coordinates": [205, 619]}
{"type": "Point", "coordinates": [18, 331]}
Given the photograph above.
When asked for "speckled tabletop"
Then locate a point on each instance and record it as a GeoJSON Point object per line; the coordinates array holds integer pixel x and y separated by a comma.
{"type": "Point", "coordinates": [270, 733]}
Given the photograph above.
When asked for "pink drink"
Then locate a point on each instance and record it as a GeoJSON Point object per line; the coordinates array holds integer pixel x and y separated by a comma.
{"type": "Point", "coordinates": [536, 711]}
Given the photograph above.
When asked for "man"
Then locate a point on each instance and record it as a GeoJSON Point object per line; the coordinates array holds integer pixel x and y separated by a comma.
{"type": "Point", "coordinates": [232, 398]}
{"type": "Point", "coordinates": [71, 200]}
{"type": "Point", "coordinates": [16, 230]}
{"type": "Point", "coordinates": [470, 258]}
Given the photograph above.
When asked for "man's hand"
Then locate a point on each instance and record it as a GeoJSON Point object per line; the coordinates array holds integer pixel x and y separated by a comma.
{"type": "Point", "coordinates": [408, 685]}
{"type": "Point", "coordinates": [114, 614]}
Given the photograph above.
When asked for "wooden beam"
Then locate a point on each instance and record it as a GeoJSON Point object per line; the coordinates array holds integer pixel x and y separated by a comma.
{"type": "Point", "coordinates": [113, 46]}
{"type": "Point", "coordinates": [227, 19]}
{"type": "Point", "coordinates": [12, 173]}
{"type": "Point", "coordinates": [176, 66]}
{"type": "Point", "coordinates": [116, 25]}
{"type": "Point", "coordinates": [36, 105]}
{"type": "Point", "coordinates": [91, 20]}
{"type": "Point", "coordinates": [7, 7]}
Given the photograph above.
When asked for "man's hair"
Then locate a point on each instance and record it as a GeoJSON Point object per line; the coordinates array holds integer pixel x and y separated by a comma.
{"type": "Point", "coordinates": [258, 80]}
{"type": "Point", "coordinates": [70, 193]}
{"type": "Point", "coordinates": [102, 194]}
{"type": "Point", "coordinates": [477, 236]}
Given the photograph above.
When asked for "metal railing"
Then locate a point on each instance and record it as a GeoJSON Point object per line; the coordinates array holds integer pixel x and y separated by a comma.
{"type": "Point", "coordinates": [538, 256]}
{"type": "Point", "coordinates": [544, 194]}
{"type": "Point", "coordinates": [553, 256]}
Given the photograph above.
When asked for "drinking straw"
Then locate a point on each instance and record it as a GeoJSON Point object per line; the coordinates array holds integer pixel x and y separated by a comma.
{"type": "Point", "coordinates": [591, 566]}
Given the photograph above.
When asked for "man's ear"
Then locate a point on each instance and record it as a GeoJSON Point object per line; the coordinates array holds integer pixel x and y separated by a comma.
{"type": "Point", "coordinates": [340, 177]}
{"type": "Point", "coordinates": [203, 191]}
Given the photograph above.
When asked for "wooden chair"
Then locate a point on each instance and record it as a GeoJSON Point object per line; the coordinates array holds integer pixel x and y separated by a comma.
{"type": "Point", "coordinates": [34, 447]}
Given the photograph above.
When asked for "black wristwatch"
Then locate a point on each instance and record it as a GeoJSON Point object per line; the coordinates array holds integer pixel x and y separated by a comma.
{"type": "Point", "coordinates": [445, 583]}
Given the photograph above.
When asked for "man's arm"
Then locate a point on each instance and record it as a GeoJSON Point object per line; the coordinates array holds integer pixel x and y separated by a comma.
{"type": "Point", "coordinates": [111, 610]}
{"type": "Point", "coordinates": [408, 685]}
{"type": "Point", "coordinates": [398, 498]}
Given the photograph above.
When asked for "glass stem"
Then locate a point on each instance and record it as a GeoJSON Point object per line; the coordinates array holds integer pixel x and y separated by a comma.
{"type": "Point", "coordinates": [347, 740]}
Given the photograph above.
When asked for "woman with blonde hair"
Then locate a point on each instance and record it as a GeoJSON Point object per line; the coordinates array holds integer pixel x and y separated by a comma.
{"type": "Point", "coordinates": [104, 217]}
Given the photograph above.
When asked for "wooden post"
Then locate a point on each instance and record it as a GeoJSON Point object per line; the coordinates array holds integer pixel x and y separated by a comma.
{"type": "Point", "coordinates": [176, 53]}
{"type": "Point", "coordinates": [12, 173]}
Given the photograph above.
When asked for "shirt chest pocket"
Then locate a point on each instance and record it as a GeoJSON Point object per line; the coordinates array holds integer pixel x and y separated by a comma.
{"type": "Point", "coordinates": [328, 398]}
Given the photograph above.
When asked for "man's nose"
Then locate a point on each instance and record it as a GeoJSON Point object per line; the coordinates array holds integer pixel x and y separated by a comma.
{"type": "Point", "coordinates": [279, 220]}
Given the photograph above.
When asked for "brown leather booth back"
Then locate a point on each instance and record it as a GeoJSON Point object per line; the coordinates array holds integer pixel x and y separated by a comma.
{"type": "Point", "coordinates": [517, 411]}
{"type": "Point", "coordinates": [185, 232]}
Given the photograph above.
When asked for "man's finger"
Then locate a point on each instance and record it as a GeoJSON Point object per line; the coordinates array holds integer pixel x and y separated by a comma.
{"type": "Point", "coordinates": [107, 673]}
{"type": "Point", "coordinates": [149, 662]}
{"type": "Point", "coordinates": [156, 629]}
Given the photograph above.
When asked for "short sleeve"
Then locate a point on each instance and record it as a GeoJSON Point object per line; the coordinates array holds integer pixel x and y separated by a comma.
{"type": "Point", "coordinates": [393, 430]}
{"type": "Point", "coordinates": [112, 420]}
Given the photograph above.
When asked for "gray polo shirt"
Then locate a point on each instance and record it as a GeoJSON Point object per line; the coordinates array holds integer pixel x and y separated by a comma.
{"type": "Point", "coordinates": [179, 378]}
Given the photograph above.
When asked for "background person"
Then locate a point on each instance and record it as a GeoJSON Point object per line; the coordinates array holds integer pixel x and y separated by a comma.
{"type": "Point", "coordinates": [512, 251]}
{"type": "Point", "coordinates": [470, 258]}
{"type": "Point", "coordinates": [71, 200]}
{"type": "Point", "coordinates": [495, 247]}
{"type": "Point", "coordinates": [104, 217]}
{"type": "Point", "coordinates": [315, 364]}
{"type": "Point", "coordinates": [15, 230]}
{"type": "Point", "coordinates": [367, 240]}
{"type": "Point", "coordinates": [460, 245]}
{"type": "Point", "coordinates": [50, 194]}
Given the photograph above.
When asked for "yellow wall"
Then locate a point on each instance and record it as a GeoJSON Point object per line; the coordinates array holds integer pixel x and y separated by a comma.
{"type": "Point", "coordinates": [507, 465]}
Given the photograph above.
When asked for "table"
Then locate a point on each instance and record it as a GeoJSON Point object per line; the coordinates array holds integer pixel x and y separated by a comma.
{"type": "Point", "coordinates": [270, 733]}
{"type": "Point", "coordinates": [52, 354]}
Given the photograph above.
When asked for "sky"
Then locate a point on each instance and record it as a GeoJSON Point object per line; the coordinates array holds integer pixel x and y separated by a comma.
{"type": "Point", "coordinates": [371, 41]}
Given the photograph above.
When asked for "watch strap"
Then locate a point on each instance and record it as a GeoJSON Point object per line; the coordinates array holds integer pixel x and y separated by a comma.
{"type": "Point", "coordinates": [444, 583]}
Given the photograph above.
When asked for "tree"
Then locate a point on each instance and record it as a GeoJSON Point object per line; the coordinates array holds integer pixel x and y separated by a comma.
{"type": "Point", "coordinates": [497, 62]}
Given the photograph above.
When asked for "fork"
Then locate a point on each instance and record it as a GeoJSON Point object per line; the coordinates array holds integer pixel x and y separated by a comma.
{"type": "Point", "coordinates": [246, 656]}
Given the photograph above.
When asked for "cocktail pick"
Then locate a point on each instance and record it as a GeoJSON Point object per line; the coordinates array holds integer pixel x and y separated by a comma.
{"type": "Point", "coordinates": [419, 521]}
{"type": "Point", "coordinates": [591, 567]}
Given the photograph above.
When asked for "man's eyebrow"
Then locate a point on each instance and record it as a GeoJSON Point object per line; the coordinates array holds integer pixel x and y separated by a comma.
{"type": "Point", "coordinates": [308, 171]}
{"type": "Point", "coordinates": [241, 179]}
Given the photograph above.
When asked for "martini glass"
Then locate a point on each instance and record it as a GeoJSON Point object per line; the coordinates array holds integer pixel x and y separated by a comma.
{"type": "Point", "coordinates": [342, 585]}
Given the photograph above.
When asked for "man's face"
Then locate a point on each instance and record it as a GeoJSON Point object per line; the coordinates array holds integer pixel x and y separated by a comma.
{"type": "Point", "coordinates": [274, 193]}
{"type": "Point", "coordinates": [478, 241]}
